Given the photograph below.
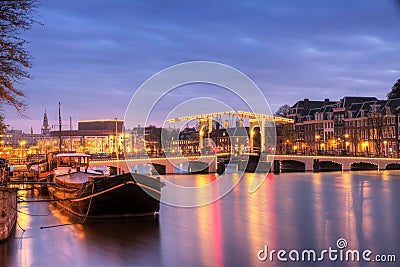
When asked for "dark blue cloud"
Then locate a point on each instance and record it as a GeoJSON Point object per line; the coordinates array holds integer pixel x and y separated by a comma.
{"type": "Point", "coordinates": [93, 54]}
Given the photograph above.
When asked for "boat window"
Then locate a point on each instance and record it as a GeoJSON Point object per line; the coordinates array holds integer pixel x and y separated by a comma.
{"type": "Point", "coordinates": [84, 161]}
{"type": "Point", "coordinates": [64, 161]}
{"type": "Point", "coordinates": [74, 162]}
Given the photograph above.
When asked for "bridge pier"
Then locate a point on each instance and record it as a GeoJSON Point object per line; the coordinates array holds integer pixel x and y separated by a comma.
{"type": "Point", "coordinates": [276, 166]}
{"type": "Point", "coordinates": [316, 165]}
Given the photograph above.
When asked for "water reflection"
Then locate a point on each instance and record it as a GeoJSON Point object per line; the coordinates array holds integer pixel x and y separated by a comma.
{"type": "Point", "coordinates": [289, 211]}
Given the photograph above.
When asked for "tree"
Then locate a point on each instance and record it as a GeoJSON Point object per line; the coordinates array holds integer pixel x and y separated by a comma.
{"type": "Point", "coordinates": [16, 16]}
{"type": "Point", "coordinates": [283, 111]}
{"type": "Point", "coordinates": [354, 138]}
{"type": "Point", "coordinates": [395, 92]}
{"type": "Point", "coordinates": [285, 137]}
{"type": "Point", "coordinates": [375, 127]}
{"type": "Point", "coordinates": [3, 125]}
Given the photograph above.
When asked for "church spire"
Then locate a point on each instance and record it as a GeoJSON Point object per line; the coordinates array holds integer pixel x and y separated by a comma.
{"type": "Point", "coordinates": [45, 126]}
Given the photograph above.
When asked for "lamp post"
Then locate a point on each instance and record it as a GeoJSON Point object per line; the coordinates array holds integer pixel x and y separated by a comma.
{"type": "Point", "coordinates": [346, 143]}
{"type": "Point", "coordinates": [110, 144]}
{"type": "Point", "coordinates": [287, 147]}
{"type": "Point", "coordinates": [116, 137]}
{"type": "Point", "coordinates": [116, 142]}
{"type": "Point", "coordinates": [47, 147]}
{"type": "Point", "coordinates": [385, 148]}
{"type": "Point", "coordinates": [22, 143]}
{"type": "Point", "coordinates": [318, 138]}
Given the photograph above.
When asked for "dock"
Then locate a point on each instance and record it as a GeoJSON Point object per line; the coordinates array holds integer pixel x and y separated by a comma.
{"type": "Point", "coordinates": [8, 211]}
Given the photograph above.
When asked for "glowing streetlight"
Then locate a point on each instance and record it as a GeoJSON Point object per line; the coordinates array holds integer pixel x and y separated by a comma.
{"type": "Point", "coordinates": [346, 143]}
{"type": "Point", "coordinates": [22, 144]}
{"type": "Point", "coordinates": [318, 139]}
{"type": "Point", "coordinates": [385, 146]}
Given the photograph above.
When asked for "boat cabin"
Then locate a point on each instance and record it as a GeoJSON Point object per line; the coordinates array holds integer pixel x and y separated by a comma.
{"type": "Point", "coordinates": [73, 160]}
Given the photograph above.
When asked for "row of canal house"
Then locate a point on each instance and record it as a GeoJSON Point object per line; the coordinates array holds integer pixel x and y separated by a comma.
{"type": "Point", "coordinates": [362, 126]}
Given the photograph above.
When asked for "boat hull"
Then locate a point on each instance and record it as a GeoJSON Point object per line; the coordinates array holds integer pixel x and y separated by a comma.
{"type": "Point", "coordinates": [125, 195]}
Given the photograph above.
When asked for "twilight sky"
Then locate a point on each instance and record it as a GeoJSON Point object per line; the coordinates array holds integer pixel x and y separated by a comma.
{"type": "Point", "coordinates": [92, 55]}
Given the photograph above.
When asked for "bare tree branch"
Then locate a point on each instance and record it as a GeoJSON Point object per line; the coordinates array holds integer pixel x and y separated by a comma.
{"type": "Point", "coordinates": [16, 16]}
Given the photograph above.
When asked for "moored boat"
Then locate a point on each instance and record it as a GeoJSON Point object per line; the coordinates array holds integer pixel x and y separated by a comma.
{"type": "Point", "coordinates": [42, 170]}
{"type": "Point", "coordinates": [8, 211]}
{"type": "Point", "coordinates": [94, 193]}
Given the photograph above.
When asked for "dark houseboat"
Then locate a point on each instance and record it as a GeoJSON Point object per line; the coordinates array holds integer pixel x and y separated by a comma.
{"type": "Point", "coordinates": [95, 193]}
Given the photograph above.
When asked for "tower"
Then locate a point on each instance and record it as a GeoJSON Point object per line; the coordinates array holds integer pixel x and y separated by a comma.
{"type": "Point", "coordinates": [45, 127]}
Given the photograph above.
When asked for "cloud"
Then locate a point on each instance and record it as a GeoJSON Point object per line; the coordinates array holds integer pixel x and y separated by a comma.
{"type": "Point", "coordinates": [92, 55]}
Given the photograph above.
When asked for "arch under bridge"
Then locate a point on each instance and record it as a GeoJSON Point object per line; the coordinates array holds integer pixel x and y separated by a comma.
{"type": "Point", "coordinates": [164, 165]}
{"type": "Point", "coordinates": [321, 163]}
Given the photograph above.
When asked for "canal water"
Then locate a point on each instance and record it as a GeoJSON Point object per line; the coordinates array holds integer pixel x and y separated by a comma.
{"type": "Point", "coordinates": [291, 212]}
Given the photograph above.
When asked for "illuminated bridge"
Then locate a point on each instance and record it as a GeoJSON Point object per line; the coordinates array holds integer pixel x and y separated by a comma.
{"type": "Point", "coordinates": [286, 163]}
{"type": "Point", "coordinates": [163, 165]}
{"type": "Point", "coordinates": [205, 121]}
{"type": "Point", "coordinates": [331, 163]}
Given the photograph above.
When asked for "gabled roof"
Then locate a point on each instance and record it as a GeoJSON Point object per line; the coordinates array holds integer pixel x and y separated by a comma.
{"type": "Point", "coordinates": [366, 106]}
{"type": "Point", "coordinates": [307, 104]}
{"type": "Point", "coordinates": [347, 101]}
{"type": "Point", "coordinates": [393, 103]}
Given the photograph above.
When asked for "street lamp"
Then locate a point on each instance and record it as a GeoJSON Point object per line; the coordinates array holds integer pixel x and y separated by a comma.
{"type": "Point", "coordinates": [116, 137]}
{"type": "Point", "coordinates": [385, 147]}
{"type": "Point", "coordinates": [287, 146]}
{"type": "Point", "coordinates": [318, 138]}
{"type": "Point", "coordinates": [116, 140]}
{"type": "Point", "coordinates": [295, 147]}
{"type": "Point", "coordinates": [47, 146]}
{"type": "Point", "coordinates": [346, 143]}
{"type": "Point", "coordinates": [22, 143]}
